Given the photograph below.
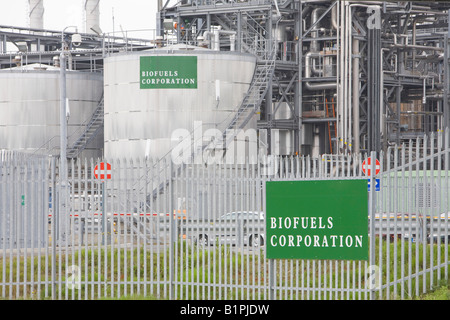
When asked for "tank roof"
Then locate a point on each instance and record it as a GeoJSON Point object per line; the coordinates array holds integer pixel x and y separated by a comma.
{"type": "Point", "coordinates": [33, 67]}
{"type": "Point", "coordinates": [181, 47]}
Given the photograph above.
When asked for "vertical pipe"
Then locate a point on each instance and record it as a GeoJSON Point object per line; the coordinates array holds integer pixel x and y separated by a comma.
{"type": "Point", "coordinates": [239, 32]}
{"type": "Point", "coordinates": [4, 46]}
{"type": "Point", "coordinates": [299, 88]}
{"type": "Point", "coordinates": [446, 79]}
{"type": "Point", "coordinates": [269, 105]}
{"type": "Point", "coordinates": [179, 29]}
{"type": "Point", "coordinates": [373, 81]}
{"type": "Point", "coordinates": [355, 92]}
{"type": "Point", "coordinates": [446, 76]}
{"type": "Point", "coordinates": [381, 90]}
{"type": "Point", "coordinates": [340, 63]}
{"type": "Point", "coordinates": [398, 110]}
{"type": "Point", "coordinates": [345, 73]}
{"type": "Point", "coordinates": [348, 77]}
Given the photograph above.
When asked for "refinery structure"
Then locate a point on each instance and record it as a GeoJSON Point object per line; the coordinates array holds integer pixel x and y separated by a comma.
{"type": "Point", "coordinates": [284, 77]}
{"type": "Point", "coordinates": [223, 127]}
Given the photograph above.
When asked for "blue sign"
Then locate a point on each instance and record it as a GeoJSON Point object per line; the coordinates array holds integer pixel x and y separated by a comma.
{"type": "Point", "coordinates": [377, 185]}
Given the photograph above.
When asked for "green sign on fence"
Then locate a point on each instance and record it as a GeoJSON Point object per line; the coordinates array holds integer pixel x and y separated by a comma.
{"type": "Point", "coordinates": [168, 72]}
{"type": "Point", "coordinates": [326, 219]}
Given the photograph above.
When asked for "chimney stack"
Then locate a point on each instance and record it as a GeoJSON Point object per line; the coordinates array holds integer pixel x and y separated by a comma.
{"type": "Point", "coordinates": [92, 16]}
{"type": "Point", "coordinates": [36, 14]}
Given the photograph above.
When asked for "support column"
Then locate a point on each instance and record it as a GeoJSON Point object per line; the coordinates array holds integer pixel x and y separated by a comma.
{"type": "Point", "coordinates": [298, 87]}
{"type": "Point", "coordinates": [239, 32]}
{"type": "Point", "coordinates": [4, 45]}
{"type": "Point", "coordinates": [268, 102]}
{"type": "Point", "coordinates": [374, 78]}
{"type": "Point", "coordinates": [355, 92]}
{"type": "Point", "coordinates": [445, 105]}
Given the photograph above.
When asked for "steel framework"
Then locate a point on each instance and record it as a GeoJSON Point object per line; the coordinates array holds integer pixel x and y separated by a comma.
{"type": "Point", "coordinates": [333, 77]}
{"type": "Point", "coordinates": [350, 76]}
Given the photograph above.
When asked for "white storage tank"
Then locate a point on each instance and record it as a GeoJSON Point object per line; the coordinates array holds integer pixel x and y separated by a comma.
{"type": "Point", "coordinates": [151, 94]}
{"type": "Point", "coordinates": [30, 103]}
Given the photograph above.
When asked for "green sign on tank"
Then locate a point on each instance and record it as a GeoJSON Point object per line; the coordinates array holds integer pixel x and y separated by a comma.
{"type": "Point", "coordinates": [168, 72]}
{"type": "Point", "coordinates": [326, 219]}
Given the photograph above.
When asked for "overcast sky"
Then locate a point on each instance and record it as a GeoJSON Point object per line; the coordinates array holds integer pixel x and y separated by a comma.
{"type": "Point", "coordinates": [128, 14]}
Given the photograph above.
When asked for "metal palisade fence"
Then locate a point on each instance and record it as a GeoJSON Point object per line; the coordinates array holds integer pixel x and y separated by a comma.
{"type": "Point", "coordinates": [198, 231]}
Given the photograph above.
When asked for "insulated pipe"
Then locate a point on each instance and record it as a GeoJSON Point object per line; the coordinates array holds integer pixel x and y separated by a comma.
{"type": "Point", "coordinates": [355, 91]}
{"type": "Point", "coordinates": [232, 35]}
{"type": "Point", "coordinates": [373, 83]}
{"type": "Point", "coordinates": [278, 16]}
{"type": "Point", "coordinates": [314, 17]}
{"type": "Point", "coordinates": [348, 79]}
{"type": "Point", "coordinates": [355, 84]}
{"type": "Point", "coordinates": [216, 44]}
{"type": "Point", "coordinates": [340, 89]}
{"type": "Point", "coordinates": [318, 85]}
{"type": "Point", "coordinates": [216, 34]}
{"type": "Point", "coordinates": [345, 81]}
{"type": "Point", "coordinates": [382, 115]}
{"type": "Point", "coordinates": [334, 17]}
{"type": "Point", "coordinates": [408, 46]}
{"type": "Point", "coordinates": [313, 54]}
{"type": "Point", "coordinates": [36, 14]}
{"type": "Point", "coordinates": [424, 98]}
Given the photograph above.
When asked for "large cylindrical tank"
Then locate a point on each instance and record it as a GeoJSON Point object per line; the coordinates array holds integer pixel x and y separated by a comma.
{"type": "Point", "coordinates": [149, 95]}
{"type": "Point", "coordinates": [30, 103]}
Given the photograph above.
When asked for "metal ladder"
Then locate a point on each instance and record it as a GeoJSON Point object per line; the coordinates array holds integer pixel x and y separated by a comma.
{"type": "Point", "coordinates": [332, 130]}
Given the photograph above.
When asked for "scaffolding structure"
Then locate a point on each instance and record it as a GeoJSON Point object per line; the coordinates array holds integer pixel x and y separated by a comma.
{"type": "Point", "coordinates": [332, 77]}
{"type": "Point", "coordinates": [42, 46]}
{"type": "Point", "coordinates": [350, 76]}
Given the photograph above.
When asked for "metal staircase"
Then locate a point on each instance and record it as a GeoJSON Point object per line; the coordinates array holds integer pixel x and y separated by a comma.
{"type": "Point", "coordinates": [252, 42]}
{"type": "Point", "coordinates": [92, 128]}
{"type": "Point", "coordinates": [251, 102]}
{"type": "Point", "coordinates": [238, 120]}
{"type": "Point", "coordinates": [250, 105]}
{"type": "Point", "coordinates": [82, 136]}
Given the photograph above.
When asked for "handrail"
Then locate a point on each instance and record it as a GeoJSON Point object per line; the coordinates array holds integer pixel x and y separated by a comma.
{"type": "Point", "coordinates": [87, 136]}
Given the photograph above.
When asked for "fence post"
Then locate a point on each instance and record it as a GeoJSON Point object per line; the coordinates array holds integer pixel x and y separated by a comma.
{"type": "Point", "coordinates": [372, 218]}
{"type": "Point", "coordinates": [172, 228]}
{"type": "Point", "coordinates": [54, 204]}
{"type": "Point", "coordinates": [271, 279]}
{"type": "Point", "coordinates": [272, 165]}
